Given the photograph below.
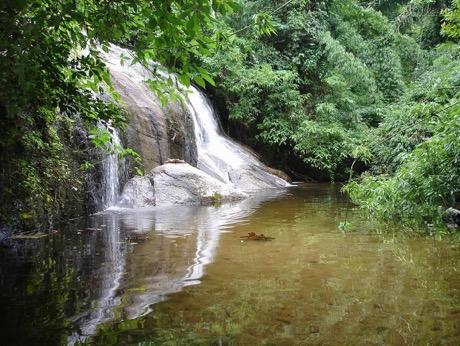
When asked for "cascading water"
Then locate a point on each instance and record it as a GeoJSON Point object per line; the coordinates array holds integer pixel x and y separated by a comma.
{"type": "Point", "coordinates": [217, 154]}
{"type": "Point", "coordinates": [111, 170]}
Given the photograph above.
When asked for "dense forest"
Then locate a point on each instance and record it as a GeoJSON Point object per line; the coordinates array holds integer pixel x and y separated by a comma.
{"type": "Point", "coordinates": [354, 87]}
{"type": "Point", "coordinates": [230, 172]}
{"type": "Point", "coordinates": [361, 92]}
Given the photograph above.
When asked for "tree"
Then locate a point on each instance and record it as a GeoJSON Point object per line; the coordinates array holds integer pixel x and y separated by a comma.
{"type": "Point", "coordinates": [51, 75]}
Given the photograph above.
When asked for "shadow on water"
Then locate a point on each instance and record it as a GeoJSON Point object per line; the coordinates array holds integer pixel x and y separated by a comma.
{"type": "Point", "coordinates": [182, 275]}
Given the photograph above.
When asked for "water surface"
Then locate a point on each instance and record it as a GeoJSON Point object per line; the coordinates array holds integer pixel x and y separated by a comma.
{"type": "Point", "coordinates": [182, 276]}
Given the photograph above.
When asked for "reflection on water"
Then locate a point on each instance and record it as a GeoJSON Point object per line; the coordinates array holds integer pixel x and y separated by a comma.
{"type": "Point", "coordinates": [109, 278]}
{"type": "Point", "coordinates": [182, 275]}
{"type": "Point", "coordinates": [185, 242]}
{"type": "Point", "coordinates": [116, 264]}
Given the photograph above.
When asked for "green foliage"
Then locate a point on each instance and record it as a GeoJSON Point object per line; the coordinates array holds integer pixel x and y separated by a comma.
{"type": "Point", "coordinates": [263, 24]}
{"type": "Point", "coordinates": [320, 83]}
{"type": "Point", "coordinates": [51, 71]}
{"type": "Point", "coordinates": [349, 85]}
{"type": "Point", "coordinates": [417, 149]}
{"type": "Point", "coordinates": [451, 25]}
{"type": "Point", "coordinates": [421, 19]}
{"type": "Point", "coordinates": [100, 137]}
{"type": "Point", "coordinates": [216, 199]}
{"type": "Point", "coordinates": [128, 152]}
{"type": "Point", "coordinates": [45, 179]}
{"type": "Point", "coordinates": [424, 185]}
{"type": "Point", "coordinates": [323, 145]}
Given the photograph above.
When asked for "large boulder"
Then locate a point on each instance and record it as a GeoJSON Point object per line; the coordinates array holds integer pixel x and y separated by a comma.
{"type": "Point", "coordinates": [184, 184]}
{"type": "Point", "coordinates": [177, 183]}
{"type": "Point", "coordinates": [137, 193]}
{"type": "Point", "coordinates": [253, 177]}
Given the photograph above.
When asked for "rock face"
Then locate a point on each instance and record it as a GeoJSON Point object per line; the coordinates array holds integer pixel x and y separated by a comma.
{"type": "Point", "coordinates": [155, 132]}
{"type": "Point", "coordinates": [184, 184]}
{"type": "Point", "coordinates": [176, 183]}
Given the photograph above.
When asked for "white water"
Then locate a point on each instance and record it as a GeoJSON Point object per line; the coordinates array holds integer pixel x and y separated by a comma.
{"type": "Point", "coordinates": [217, 155]}
{"type": "Point", "coordinates": [111, 170]}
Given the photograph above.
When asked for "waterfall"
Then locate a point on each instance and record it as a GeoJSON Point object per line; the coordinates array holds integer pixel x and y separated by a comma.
{"type": "Point", "coordinates": [111, 170]}
{"type": "Point", "coordinates": [218, 155]}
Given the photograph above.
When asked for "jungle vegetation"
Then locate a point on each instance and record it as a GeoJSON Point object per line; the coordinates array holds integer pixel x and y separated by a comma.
{"type": "Point", "coordinates": [365, 91]}
{"type": "Point", "coordinates": [362, 91]}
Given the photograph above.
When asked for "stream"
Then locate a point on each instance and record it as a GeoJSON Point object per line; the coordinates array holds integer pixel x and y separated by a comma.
{"type": "Point", "coordinates": [182, 275]}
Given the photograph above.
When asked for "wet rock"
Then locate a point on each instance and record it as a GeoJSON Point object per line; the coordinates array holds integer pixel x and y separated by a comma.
{"type": "Point", "coordinates": [137, 193]}
{"type": "Point", "coordinates": [279, 173]}
{"type": "Point", "coordinates": [156, 132]}
{"type": "Point", "coordinates": [173, 184]}
{"type": "Point", "coordinates": [184, 184]}
{"type": "Point", "coordinates": [252, 177]}
{"type": "Point", "coordinates": [181, 134]}
{"type": "Point", "coordinates": [452, 217]}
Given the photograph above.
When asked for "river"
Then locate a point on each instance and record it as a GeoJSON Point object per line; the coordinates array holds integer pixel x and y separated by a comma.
{"type": "Point", "coordinates": [182, 275]}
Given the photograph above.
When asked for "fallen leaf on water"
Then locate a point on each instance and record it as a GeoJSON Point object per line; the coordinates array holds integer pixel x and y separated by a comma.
{"type": "Point", "coordinates": [254, 236]}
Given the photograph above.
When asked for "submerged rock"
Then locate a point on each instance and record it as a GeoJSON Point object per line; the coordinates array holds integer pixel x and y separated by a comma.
{"type": "Point", "coordinates": [254, 236]}
{"type": "Point", "coordinates": [172, 184]}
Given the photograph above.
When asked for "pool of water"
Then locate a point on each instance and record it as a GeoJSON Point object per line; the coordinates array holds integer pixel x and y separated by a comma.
{"type": "Point", "coordinates": [183, 276]}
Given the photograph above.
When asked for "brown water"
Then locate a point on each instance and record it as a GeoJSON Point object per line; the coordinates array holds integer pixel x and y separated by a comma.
{"type": "Point", "coordinates": [183, 276]}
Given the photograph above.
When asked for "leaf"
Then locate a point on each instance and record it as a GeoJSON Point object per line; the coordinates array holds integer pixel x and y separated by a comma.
{"type": "Point", "coordinates": [200, 81]}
